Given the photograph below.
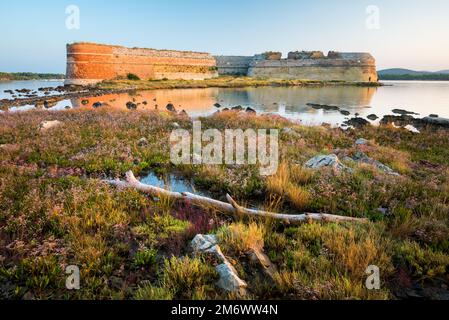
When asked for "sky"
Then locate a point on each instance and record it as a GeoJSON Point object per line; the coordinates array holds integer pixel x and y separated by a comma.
{"type": "Point", "coordinates": [408, 34]}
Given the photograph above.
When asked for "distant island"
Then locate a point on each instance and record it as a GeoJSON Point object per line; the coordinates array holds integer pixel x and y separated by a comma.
{"type": "Point", "coordinates": [5, 76]}
{"type": "Point", "coordinates": [406, 74]}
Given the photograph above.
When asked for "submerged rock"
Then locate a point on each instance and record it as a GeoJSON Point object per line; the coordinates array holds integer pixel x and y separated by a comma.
{"type": "Point", "coordinates": [442, 122]}
{"type": "Point", "coordinates": [405, 120]}
{"type": "Point", "coordinates": [131, 105]}
{"type": "Point", "coordinates": [97, 105]}
{"type": "Point", "coordinates": [170, 107]}
{"type": "Point", "coordinates": [404, 112]}
{"type": "Point", "coordinates": [345, 112]}
{"type": "Point", "coordinates": [251, 110]}
{"type": "Point", "coordinates": [323, 106]}
{"type": "Point", "coordinates": [372, 117]}
{"type": "Point", "coordinates": [357, 122]}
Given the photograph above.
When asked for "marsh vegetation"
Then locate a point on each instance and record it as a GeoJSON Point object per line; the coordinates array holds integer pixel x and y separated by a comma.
{"type": "Point", "coordinates": [55, 211]}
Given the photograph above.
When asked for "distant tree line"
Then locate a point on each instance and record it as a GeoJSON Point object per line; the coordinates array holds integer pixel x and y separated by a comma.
{"type": "Point", "coordinates": [30, 76]}
{"type": "Point", "coordinates": [428, 77]}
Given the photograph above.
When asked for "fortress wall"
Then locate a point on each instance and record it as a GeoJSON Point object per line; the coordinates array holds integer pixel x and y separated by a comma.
{"type": "Point", "coordinates": [233, 65]}
{"type": "Point", "coordinates": [352, 67]}
{"type": "Point", "coordinates": [91, 63]}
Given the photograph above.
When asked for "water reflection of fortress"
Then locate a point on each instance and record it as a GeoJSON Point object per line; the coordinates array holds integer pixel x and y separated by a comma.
{"type": "Point", "coordinates": [265, 99]}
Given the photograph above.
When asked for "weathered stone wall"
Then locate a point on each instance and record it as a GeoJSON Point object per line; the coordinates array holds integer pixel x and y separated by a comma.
{"type": "Point", "coordinates": [353, 67]}
{"type": "Point", "coordinates": [89, 63]}
{"type": "Point", "coordinates": [233, 65]}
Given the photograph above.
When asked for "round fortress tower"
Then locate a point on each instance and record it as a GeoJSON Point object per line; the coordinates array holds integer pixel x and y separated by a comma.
{"type": "Point", "coordinates": [89, 63]}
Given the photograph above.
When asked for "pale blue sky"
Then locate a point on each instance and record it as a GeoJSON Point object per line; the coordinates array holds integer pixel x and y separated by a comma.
{"type": "Point", "coordinates": [413, 34]}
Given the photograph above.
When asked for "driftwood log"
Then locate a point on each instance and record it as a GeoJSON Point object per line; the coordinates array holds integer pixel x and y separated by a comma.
{"type": "Point", "coordinates": [231, 208]}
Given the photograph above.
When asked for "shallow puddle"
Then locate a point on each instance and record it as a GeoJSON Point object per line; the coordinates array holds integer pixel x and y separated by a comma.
{"type": "Point", "coordinates": [170, 182]}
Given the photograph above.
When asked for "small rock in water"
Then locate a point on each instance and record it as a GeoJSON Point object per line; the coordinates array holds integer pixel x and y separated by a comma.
{"type": "Point", "coordinates": [323, 106]}
{"type": "Point", "coordinates": [84, 102]}
{"type": "Point", "coordinates": [357, 122]}
{"type": "Point", "coordinates": [433, 116]}
{"type": "Point", "coordinates": [404, 112]}
{"type": "Point", "coordinates": [170, 107]}
{"type": "Point", "coordinates": [97, 105]}
{"type": "Point", "coordinates": [251, 110]}
{"type": "Point", "coordinates": [131, 105]}
{"type": "Point", "coordinates": [237, 108]}
{"type": "Point", "coordinates": [345, 112]}
{"type": "Point", "coordinates": [372, 117]}
{"type": "Point", "coordinates": [217, 105]}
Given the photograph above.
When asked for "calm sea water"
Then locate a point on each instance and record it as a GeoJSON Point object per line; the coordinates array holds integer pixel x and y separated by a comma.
{"type": "Point", "coordinates": [424, 98]}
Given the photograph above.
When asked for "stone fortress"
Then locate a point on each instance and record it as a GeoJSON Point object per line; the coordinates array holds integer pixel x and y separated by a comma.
{"type": "Point", "coordinates": [90, 63]}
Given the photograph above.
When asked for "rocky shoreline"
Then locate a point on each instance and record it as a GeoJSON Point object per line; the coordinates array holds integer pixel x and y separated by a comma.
{"type": "Point", "coordinates": [53, 95]}
{"type": "Point", "coordinates": [67, 92]}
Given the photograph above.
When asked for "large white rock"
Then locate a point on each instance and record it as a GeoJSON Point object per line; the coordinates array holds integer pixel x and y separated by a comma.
{"type": "Point", "coordinates": [203, 242]}
{"type": "Point", "coordinates": [46, 125]}
{"type": "Point", "coordinates": [229, 280]}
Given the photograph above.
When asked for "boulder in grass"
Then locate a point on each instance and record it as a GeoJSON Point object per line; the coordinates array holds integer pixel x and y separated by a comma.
{"type": "Point", "coordinates": [47, 125]}
{"type": "Point", "coordinates": [322, 161]}
{"type": "Point", "coordinates": [361, 142]}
